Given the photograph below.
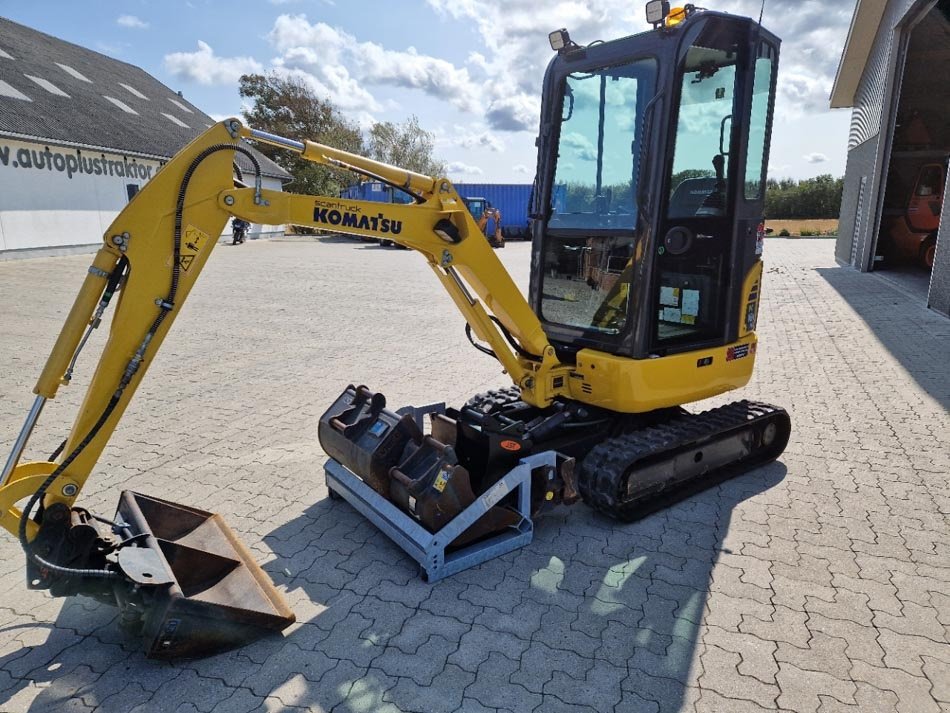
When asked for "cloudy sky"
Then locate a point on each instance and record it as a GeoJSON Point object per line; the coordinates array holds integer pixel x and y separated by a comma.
{"type": "Point", "coordinates": [470, 70]}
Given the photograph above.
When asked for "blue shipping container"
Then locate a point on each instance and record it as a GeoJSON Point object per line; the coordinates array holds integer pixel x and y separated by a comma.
{"type": "Point", "coordinates": [375, 191]}
{"type": "Point", "coordinates": [511, 199]}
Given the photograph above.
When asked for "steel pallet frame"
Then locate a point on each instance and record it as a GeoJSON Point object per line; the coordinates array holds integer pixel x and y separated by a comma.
{"type": "Point", "coordinates": [429, 549]}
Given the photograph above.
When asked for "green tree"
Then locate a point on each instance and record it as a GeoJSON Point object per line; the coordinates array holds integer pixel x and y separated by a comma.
{"type": "Point", "coordinates": [288, 107]}
{"type": "Point", "coordinates": [406, 145]}
{"type": "Point", "coordinates": [818, 197]}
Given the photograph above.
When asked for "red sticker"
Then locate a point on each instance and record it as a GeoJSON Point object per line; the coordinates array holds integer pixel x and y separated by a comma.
{"type": "Point", "coordinates": [510, 445]}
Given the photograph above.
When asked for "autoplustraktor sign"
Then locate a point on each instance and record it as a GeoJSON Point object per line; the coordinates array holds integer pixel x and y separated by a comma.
{"type": "Point", "coordinates": [73, 162]}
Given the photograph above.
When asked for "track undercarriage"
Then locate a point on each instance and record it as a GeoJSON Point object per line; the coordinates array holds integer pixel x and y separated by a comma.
{"type": "Point", "coordinates": [623, 465]}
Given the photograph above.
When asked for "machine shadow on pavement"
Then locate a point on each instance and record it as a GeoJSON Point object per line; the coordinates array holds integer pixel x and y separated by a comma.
{"type": "Point", "coordinates": [917, 337]}
{"type": "Point", "coordinates": [592, 612]}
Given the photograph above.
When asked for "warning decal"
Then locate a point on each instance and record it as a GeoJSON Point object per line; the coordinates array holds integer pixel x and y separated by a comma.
{"type": "Point", "coordinates": [192, 243]}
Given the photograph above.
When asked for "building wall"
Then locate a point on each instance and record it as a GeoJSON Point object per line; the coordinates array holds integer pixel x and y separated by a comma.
{"type": "Point", "coordinates": [55, 197]}
{"type": "Point", "coordinates": [868, 144]}
{"type": "Point", "coordinates": [52, 196]}
{"type": "Point", "coordinates": [856, 198]}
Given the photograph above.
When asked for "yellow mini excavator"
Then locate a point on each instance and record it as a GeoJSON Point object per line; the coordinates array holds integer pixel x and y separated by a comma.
{"type": "Point", "coordinates": [645, 287]}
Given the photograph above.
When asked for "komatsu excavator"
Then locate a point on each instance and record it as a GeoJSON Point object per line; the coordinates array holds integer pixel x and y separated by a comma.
{"type": "Point", "coordinates": [645, 288]}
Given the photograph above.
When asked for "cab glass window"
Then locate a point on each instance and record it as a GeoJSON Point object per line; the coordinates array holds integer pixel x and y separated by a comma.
{"type": "Point", "coordinates": [599, 146]}
{"type": "Point", "coordinates": [698, 184]}
{"type": "Point", "coordinates": [588, 254]}
{"type": "Point", "coordinates": [758, 123]}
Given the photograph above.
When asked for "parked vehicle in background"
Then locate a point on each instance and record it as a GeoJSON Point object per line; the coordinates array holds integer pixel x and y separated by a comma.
{"type": "Point", "coordinates": [511, 199]}
{"type": "Point", "coordinates": [483, 214]}
{"type": "Point", "coordinates": [912, 236]}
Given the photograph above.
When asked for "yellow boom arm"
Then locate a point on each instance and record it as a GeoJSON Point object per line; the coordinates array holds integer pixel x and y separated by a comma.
{"type": "Point", "coordinates": [157, 246]}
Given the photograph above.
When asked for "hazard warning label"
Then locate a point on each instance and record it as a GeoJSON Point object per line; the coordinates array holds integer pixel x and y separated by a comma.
{"type": "Point", "coordinates": [192, 242]}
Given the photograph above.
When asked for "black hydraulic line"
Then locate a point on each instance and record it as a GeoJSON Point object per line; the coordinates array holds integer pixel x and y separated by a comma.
{"type": "Point", "coordinates": [483, 349]}
{"type": "Point", "coordinates": [165, 306]}
{"type": "Point", "coordinates": [508, 337]}
{"type": "Point", "coordinates": [112, 286]}
{"type": "Point", "coordinates": [514, 344]}
{"type": "Point", "coordinates": [41, 492]}
{"type": "Point", "coordinates": [600, 134]}
{"type": "Point", "coordinates": [59, 449]}
{"type": "Point", "coordinates": [335, 163]}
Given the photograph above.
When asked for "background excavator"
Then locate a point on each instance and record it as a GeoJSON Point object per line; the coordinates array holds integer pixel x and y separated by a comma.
{"type": "Point", "coordinates": [644, 296]}
{"type": "Point", "coordinates": [483, 212]}
{"type": "Point", "coordinates": [496, 239]}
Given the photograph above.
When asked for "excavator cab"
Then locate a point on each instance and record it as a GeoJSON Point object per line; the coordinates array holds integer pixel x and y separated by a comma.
{"type": "Point", "coordinates": [650, 188]}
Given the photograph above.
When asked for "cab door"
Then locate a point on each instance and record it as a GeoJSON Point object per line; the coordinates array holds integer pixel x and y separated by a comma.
{"type": "Point", "coordinates": [708, 227]}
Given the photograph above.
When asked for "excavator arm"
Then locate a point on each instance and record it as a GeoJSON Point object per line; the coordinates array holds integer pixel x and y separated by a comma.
{"type": "Point", "coordinates": [152, 255]}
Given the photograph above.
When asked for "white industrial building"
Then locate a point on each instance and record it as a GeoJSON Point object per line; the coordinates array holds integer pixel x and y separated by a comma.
{"type": "Point", "coordinates": [893, 74]}
{"type": "Point", "coordinates": [80, 134]}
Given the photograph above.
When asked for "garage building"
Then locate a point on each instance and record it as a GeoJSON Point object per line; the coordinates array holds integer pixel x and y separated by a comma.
{"type": "Point", "coordinates": [80, 133]}
{"type": "Point", "coordinates": [893, 72]}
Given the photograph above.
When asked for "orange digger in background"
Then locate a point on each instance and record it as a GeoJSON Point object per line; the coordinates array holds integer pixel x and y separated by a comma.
{"type": "Point", "coordinates": [496, 240]}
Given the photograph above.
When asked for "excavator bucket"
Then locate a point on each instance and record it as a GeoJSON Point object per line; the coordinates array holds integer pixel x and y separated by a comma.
{"type": "Point", "coordinates": [202, 591]}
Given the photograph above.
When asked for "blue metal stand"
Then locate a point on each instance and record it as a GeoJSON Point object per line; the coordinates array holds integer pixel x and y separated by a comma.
{"type": "Point", "coordinates": [429, 549]}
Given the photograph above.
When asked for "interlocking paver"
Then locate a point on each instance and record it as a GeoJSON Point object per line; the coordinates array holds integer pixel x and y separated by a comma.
{"type": "Point", "coordinates": [818, 583]}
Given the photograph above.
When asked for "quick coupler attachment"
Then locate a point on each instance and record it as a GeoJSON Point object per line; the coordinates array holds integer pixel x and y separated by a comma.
{"type": "Point", "coordinates": [419, 474]}
{"type": "Point", "coordinates": [359, 432]}
{"type": "Point", "coordinates": [180, 577]}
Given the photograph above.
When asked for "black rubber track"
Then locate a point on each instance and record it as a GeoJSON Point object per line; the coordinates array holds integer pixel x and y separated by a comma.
{"type": "Point", "coordinates": [606, 470]}
{"type": "Point", "coordinates": [494, 400]}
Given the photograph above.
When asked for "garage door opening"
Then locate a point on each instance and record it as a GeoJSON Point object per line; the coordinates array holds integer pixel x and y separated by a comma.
{"type": "Point", "coordinates": [917, 169]}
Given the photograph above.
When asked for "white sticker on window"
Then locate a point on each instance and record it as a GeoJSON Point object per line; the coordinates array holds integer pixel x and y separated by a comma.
{"type": "Point", "coordinates": [691, 302]}
{"type": "Point", "coordinates": [670, 296]}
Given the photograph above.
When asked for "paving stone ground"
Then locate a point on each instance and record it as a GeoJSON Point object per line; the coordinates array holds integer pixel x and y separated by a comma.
{"type": "Point", "coordinates": [818, 583]}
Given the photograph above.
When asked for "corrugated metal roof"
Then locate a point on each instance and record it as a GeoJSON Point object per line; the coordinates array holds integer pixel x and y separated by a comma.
{"type": "Point", "coordinates": [857, 49]}
{"type": "Point", "coordinates": [88, 116]}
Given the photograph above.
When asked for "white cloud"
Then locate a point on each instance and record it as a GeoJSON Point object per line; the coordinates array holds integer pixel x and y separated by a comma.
{"type": "Point", "coordinates": [514, 34]}
{"type": "Point", "coordinates": [459, 168]}
{"type": "Point", "coordinates": [481, 140]}
{"type": "Point", "coordinates": [343, 65]}
{"type": "Point", "coordinates": [815, 157]}
{"type": "Point", "coordinates": [131, 21]}
{"type": "Point", "coordinates": [520, 168]}
{"type": "Point", "coordinates": [205, 67]}
{"type": "Point", "coordinates": [813, 36]}
{"type": "Point", "coordinates": [581, 147]}
{"type": "Point", "coordinates": [518, 112]}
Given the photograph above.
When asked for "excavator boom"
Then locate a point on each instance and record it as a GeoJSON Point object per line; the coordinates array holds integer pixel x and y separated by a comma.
{"type": "Point", "coordinates": [151, 257]}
